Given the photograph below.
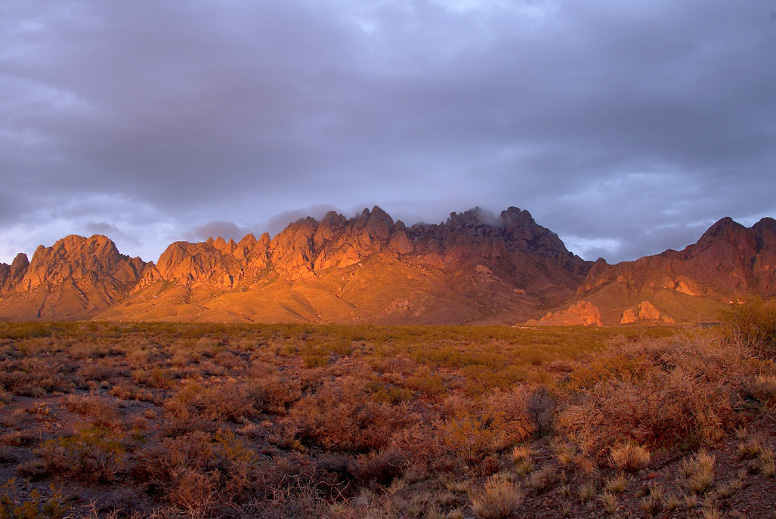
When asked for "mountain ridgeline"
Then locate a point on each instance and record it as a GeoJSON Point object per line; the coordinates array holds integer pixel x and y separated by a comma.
{"type": "Point", "coordinates": [471, 269]}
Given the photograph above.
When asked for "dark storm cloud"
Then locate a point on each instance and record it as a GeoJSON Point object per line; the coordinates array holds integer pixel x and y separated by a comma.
{"type": "Point", "coordinates": [624, 127]}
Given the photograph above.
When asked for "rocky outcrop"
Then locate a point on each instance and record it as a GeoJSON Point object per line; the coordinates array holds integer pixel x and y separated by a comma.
{"type": "Point", "coordinates": [11, 275]}
{"type": "Point", "coordinates": [644, 311]}
{"type": "Point", "coordinates": [215, 263]}
{"type": "Point", "coordinates": [582, 313]}
{"type": "Point", "coordinates": [471, 268]}
{"type": "Point", "coordinates": [728, 261]}
{"type": "Point", "coordinates": [74, 278]}
{"type": "Point", "coordinates": [94, 261]}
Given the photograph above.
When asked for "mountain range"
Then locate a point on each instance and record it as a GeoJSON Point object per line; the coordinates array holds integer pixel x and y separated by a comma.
{"type": "Point", "coordinates": [472, 269]}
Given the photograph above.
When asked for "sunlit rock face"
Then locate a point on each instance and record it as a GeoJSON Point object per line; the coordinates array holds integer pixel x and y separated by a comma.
{"type": "Point", "coordinates": [582, 313]}
{"type": "Point", "coordinates": [472, 268]}
{"type": "Point", "coordinates": [644, 311]}
{"type": "Point", "coordinates": [74, 277]}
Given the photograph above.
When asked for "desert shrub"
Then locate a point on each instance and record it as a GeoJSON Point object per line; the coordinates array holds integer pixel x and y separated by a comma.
{"type": "Point", "coordinates": [155, 377]}
{"type": "Point", "coordinates": [499, 499]}
{"type": "Point", "coordinates": [510, 409]}
{"type": "Point", "coordinates": [389, 393]}
{"type": "Point", "coordinates": [469, 438]}
{"type": "Point", "coordinates": [586, 491]}
{"type": "Point", "coordinates": [629, 456]}
{"type": "Point", "coordinates": [92, 453]}
{"type": "Point", "coordinates": [127, 391]}
{"type": "Point", "coordinates": [296, 501]}
{"type": "Point", "coordinates": [654, 501]}
{"type": "Point", "coordinates": [139, 358]}
{"type": "Point", "coordinates": [616, 484]}
{"type": "Point", "coordinates": [100, 410]}
{"type": "Point", "coordinates": [681, 395]}
{"type": "Point", "coordinates": [698, 472]}
{"type": "Point", "coordinates": [230, 361]}
{"type": "Point", "coordinates": [476, 428]}
{"type": "Point", "coordinates": [540, 408]}
{"type": "Point", "coordinates": [755, 324]}
{"type": "Point", "coordinates": [275, 393]}
{"type": "Point", "coordinates": [98, 371]}
{"type": "Point", "coordinates": [522, 453]}
{"type": "Point", "coordinates": [428, 383]}
{"type": "Point", "coordinates": [609, 502]}
{"type": "Point", "coordinates": [763, 388]}
{"type": "Point", "coordinates": [381, 467]}
{"type": "Point", "coordinates": [750, 448]}
{"type": "Point", "coordinates": [421, 441]}
{"type": "Point", "coordinates": [199, 471]}
{"type": "Point", "coordinates": [14, 506]}
{"type": "Point", "coordinates": [5, 397]}
{"type": "Point", "coordinates": [341, 416]}
{"type": "Point", "coordinates": [230, 400]}
{"type": "Point", "coordinates": [544, 479]}
{"type": "Point", "coordinates": [33, 378]}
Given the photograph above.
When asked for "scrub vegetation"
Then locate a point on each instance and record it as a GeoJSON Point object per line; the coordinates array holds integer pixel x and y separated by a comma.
{"type": "Point", "coordinates": [276, 421]}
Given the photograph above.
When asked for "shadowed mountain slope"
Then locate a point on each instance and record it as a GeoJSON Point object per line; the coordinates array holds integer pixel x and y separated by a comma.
{"type": "Point", "coordinates": [730, 263]}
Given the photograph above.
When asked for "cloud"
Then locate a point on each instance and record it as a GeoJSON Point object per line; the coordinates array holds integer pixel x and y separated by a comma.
{"type": "Point", "coordinates": [279, 221]}
{"type": "Point", "coordinates": [109, 230]}
{"type": "Point", "coordinates": [217, 228]}
{"type": "Point", "coordinates": [603, 119]}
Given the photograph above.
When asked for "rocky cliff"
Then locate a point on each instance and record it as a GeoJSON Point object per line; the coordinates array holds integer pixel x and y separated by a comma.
{"type": "Point", "coordinates": [729, 263]}
{"type": "Point", "coordinates": [472, 268]}
{"type": "Point", "coordinates": [74, 278]}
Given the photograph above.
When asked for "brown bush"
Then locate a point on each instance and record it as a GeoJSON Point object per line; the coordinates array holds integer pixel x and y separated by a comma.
{"type": "Point", "coordinates": [476, 428]}
{"type": "Point", "coordinates": [683, 394]}
{"type": "Point", "coordinates": [200, 471]}
{"type": "Point", "coordinates": [100, 410]}
{"type": "Point", "coordinates": [275, 393]}
{"type": "Point", "coordinates": [341, 416]}
{"type": "Point", "coordinates": [630, 456]}
{"type": "Point", "coordinates": [380, 467]}
{"type": "Point", "coordinates": [230, 400]}
{"type": "Point", "coordinates": [91, 453]}
{"type": "Point", "coordinates": [127, 391]}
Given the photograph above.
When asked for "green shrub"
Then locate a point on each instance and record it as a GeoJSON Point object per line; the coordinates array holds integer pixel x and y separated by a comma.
{"type": "Point", "coordinates": [92, 453]}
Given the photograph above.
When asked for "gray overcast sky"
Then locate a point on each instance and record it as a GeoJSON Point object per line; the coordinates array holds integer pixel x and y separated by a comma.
{"type": "Point", "coordinates": [625, 127]}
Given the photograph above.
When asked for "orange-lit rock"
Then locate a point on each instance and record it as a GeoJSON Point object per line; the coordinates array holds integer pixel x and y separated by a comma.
{"type": "Point", "coordinates": [582, 313]}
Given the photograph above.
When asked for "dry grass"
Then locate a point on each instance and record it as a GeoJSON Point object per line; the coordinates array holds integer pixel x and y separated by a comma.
{"type": "Point", "coordinates": [616, 484]}
{"type": "Point", "coordinates": [630, 456]}
{"type": "Point", "coordinates": [214, 420]}
{"type": "Point", "coordinates": [698, 472]}
{"type": "Point", "coordinates": [499, 499]}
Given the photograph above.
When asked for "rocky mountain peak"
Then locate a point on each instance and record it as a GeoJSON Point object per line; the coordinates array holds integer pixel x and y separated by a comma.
{"type": "Point", "coordinates": [725, 229]}
{"type": "Point", "coordinates": [472, 267]}
{"type": "Point", "coordinates": [766, 226]}
{"type": "Point", "coordinates": [19, 265]}
{"type": "Point", "coordinates": [75, 257]}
